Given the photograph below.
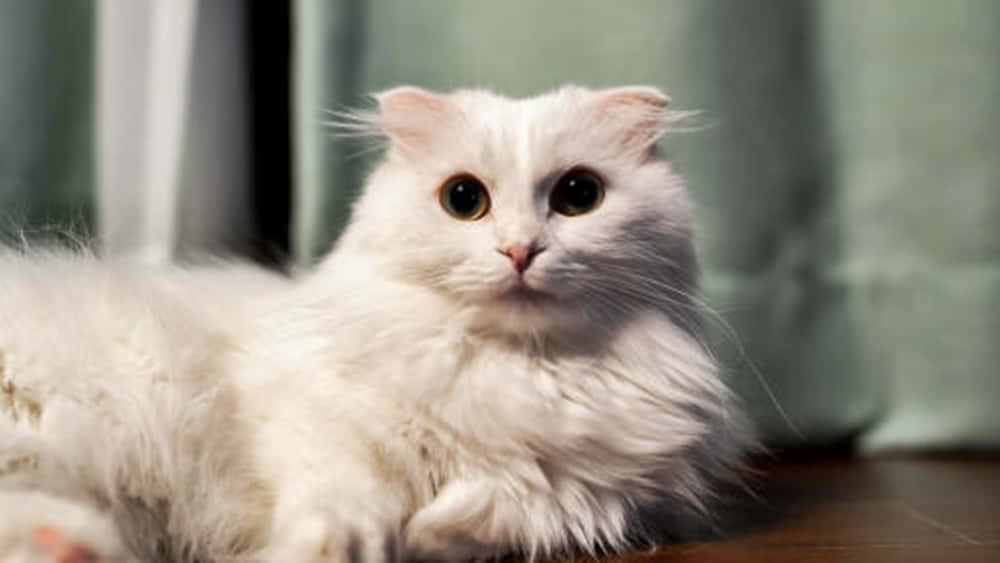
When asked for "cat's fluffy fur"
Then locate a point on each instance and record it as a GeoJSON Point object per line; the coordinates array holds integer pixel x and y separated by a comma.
{"type": "Point", "coordinates": [400, 401]}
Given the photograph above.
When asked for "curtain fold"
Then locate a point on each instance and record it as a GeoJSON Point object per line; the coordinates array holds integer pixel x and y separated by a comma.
{"type": "Point", "coordinates": [912, 90]}
{"type": "Point", "coordinates": [46, 78]}
{"type": "Point", "coordinates": [327, 58]}
{"type": "Point", "coordinates": [761, 173]}
{"type": "Point", "coordinates": [172, 130]}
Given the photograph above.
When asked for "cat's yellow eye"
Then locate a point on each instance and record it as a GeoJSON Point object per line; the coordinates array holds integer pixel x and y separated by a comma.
{"type": "Point", "coordinates": [577, 192]}
{"type": "Point", "coordinates": [464, 197]}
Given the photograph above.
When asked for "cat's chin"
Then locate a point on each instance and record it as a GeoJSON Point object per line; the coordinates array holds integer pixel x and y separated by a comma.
{"type": "Point", "coordinates": [520, 308]}
{"type": "Point", "coordinates": [524, 296]}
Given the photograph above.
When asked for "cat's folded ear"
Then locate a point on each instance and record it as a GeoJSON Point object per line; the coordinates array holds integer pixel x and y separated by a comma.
{"type": "Point", "coordinates": [408, 115]}
{"type": "Point", "coordinates": [636, 114]}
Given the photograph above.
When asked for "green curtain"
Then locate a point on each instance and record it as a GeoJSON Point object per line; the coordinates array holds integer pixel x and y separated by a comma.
{"type": "Point", "coordinates": [846, 173]}
{"type": "Point", "coordinates": [46, 84]}
{"type": "Point", "coordinates": [916, 135]}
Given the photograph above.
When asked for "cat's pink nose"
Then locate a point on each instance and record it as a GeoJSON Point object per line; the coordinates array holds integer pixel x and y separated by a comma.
{"type": "Point", "coordinates": [521, 255]}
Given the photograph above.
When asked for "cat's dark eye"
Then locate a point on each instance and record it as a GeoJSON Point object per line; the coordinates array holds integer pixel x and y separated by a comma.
{"type": "Point", "coordinates": [464, 197]}
{"type": "Point", "coordinates": [577, 192]}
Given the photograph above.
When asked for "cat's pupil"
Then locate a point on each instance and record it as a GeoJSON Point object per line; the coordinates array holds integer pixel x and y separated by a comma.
{"type": "Point", "coordinates": [464, 197]}
{"type": "Point", "coordinates": [581, 192]}
{"type": "Point", "coordinates": [576, 193]}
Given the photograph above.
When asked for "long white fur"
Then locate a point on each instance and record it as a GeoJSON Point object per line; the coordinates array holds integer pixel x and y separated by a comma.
{"type": "Point", "coordinates": [391, 404]}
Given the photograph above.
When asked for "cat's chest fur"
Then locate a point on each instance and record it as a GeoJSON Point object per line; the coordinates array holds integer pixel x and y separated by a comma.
{"type": "Point", "coordinates": [421, 377]}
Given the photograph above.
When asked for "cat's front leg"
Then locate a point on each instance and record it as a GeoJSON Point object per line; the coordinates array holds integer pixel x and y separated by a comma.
{"type": "Point", "coordinates": [457, 525]}
{"type": "Point", "coordinates": [347, 534]}
{"type": "Point", "coordinates": [356, 520]}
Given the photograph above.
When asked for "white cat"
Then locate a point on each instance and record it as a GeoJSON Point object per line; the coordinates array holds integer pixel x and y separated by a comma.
{"type": "Point", "coordinates": [501, 355]}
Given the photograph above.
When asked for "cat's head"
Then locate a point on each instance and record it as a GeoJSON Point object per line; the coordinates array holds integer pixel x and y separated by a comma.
{"type": "Point", "coordinates": [541, 213]}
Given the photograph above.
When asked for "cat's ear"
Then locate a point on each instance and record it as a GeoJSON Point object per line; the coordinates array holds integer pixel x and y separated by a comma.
{"type": "Point", "coordinates": [637, 114]}
{"type": "Point", "coordinates": [409, 116]}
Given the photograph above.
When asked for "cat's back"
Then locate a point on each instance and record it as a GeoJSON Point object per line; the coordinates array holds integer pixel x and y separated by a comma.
{"type": "Point", "coordinates": [68, 320]}
{"type": "Point", "coordinates": [113, 368]}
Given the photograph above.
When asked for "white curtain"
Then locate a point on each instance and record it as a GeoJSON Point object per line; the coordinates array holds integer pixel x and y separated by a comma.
{"type": "Point", "coordinates": [171, 127]}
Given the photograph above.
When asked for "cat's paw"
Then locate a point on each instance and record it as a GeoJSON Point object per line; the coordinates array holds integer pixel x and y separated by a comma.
{"type": "Point", "coordinates": [342, 537]}
{"type": "Point", "coordinates": [426, 540]}
{"type": "Point", "coordinates": [39, 528]}
{"type": "Point", "coordinates": [54, 546]}
{"type": "Point", "coordinates": [460, 525]}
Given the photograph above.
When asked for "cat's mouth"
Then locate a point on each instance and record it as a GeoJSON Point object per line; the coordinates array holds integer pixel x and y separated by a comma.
{"type": "Point", "coordinates": [522, 294]}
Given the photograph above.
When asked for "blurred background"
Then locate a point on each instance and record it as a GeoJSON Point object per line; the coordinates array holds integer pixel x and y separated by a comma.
{"type": "Point", "coordinates": [847, 167]}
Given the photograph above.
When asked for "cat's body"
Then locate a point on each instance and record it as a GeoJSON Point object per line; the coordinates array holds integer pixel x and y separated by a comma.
{"type": "Point", "coordinates": [522, 380]}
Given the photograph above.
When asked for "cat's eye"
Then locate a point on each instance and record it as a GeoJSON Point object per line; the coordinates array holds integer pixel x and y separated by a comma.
{"type": "Point", "coordinates": [464, 197]}
{"type": "Point", "coordinates": [577, 192]}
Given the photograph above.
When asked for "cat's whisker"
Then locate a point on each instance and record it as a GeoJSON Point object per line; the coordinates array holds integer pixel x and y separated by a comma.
{"type": "Point", "coordinates": [702, 307]}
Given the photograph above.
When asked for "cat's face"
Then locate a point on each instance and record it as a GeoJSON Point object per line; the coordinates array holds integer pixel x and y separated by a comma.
{"type": "Point", "coordinates": [542, 213]}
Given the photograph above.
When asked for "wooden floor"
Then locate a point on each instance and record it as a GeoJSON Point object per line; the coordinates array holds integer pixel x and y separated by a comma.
{"type": "Point", "coordinates": [914, 510]}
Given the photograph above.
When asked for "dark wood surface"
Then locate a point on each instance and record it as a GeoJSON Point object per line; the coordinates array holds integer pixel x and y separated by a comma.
{"type": "Point", "coordinates": [910, 509]}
